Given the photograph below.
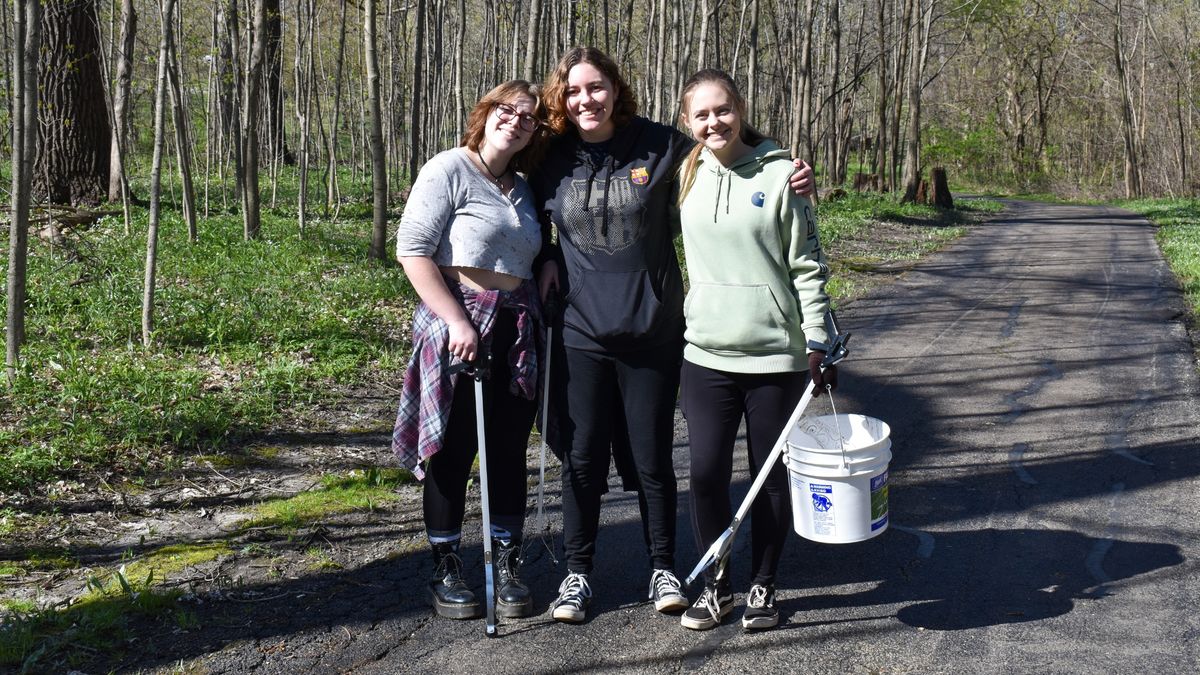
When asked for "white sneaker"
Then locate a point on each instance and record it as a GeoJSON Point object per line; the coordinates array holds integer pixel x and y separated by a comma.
{"type": "Point", "coordinates": [574, 594]}
{"type": "Point", "coordinates": [667, 592]}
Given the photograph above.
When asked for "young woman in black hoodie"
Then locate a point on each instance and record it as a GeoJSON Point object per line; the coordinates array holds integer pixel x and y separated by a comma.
{"type": "Point", "coordinates": [606, 189]}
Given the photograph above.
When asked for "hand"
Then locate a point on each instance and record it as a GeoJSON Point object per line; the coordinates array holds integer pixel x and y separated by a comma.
{"type": "Point", "coordinates": [819, 378]}
{"type": "Point", "coordinates": [802, 181]}
{"type": "Point", "coordinates": [548, 279]}
{"type": "Point", "coordinates": [464, 341]}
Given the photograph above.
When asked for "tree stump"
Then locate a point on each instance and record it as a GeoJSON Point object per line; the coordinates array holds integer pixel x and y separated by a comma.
{"type": "Point", "coordinates": [941, 196]}
{"type": "Point", "coordinates": [923, 192]}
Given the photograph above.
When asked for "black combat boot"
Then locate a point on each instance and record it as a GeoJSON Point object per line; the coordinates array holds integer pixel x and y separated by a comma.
{"type": "Point", "coordinates": [448, 593]}
{"type": "Point", "coordinates": [513, 598]}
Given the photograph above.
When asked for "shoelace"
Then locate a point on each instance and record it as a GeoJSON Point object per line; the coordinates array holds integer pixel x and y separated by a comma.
{"type": "Point", "coordinates": [758, 597]}
{"type": "Point", "coordinates": [573, 590]}
{"type": "Point", "coordinates": [664, 582]}
{"type": "Point", "coordinates": [710, 600]}
{"type": "Point", "coordinates": [507, 554]}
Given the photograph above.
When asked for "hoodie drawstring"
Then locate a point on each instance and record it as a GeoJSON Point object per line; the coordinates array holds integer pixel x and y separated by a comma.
{"type": "Point", "coordinates": [717, 202]}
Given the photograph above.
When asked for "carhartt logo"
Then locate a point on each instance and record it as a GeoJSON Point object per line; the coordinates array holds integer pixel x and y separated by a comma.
{"type": "Point", "coordinates": [639, 176]}
{"type": "Point", "coordinates": [758, 198]}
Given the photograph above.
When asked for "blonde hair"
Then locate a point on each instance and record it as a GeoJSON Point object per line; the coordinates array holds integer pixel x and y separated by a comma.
{"type": "Point", "coordinates": [749, 135]}
{"type": "Point", "coordinates": [556, 87]}
{"type": "Point", "coordinates": [472, 138]}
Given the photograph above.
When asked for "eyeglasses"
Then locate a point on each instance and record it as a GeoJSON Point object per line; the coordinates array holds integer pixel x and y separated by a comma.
{"type": "Point", "coordinates": [506, 113]}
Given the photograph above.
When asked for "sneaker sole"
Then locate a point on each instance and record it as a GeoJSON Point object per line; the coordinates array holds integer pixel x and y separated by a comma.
{"type": "Point", "coordinates": [568, 615]}
{"type": "Point", "coordinates": [677, 603]}
{"type": "Point", "coordinates": [706, 623]}
{"type": "Point", "coordinates": [760, 622]}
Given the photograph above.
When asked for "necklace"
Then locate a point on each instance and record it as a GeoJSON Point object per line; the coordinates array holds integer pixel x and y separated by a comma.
{"type": "Point", "coordinates": [498, 180]}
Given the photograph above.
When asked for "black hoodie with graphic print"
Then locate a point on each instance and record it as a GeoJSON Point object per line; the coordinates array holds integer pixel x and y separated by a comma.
{"type": "Point", "coordinates": [616, 220]}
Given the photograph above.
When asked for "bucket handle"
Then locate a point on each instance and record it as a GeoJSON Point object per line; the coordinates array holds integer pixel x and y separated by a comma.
{"type": "Point", "coordinates": [838, 426]}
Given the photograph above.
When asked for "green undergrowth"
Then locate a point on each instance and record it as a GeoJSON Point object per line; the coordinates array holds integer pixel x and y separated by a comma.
{"type": "Point", "coordinates": [359, 490]}
{"type": "Point", "coordinates": [243, 332]}
{"type": "Point", "coordinates": [855, 233]}
{"type": "Point", "coordinates": [98, 623]}
{"type": "Point", "coordinates": [1179, 238]}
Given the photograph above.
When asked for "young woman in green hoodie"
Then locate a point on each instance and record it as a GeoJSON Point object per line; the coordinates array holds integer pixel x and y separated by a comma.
{"type": "Point", "coordinates": [757, 296]}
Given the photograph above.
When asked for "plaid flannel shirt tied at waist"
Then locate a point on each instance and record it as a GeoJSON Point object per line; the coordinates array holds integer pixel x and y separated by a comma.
{"type": "Point", "coordinates": [428, 389]}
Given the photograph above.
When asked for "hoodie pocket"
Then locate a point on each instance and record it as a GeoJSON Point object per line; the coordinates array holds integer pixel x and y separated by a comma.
{"type": "Point", "coordinates": [744, 318]}
{"type": "Point", "coordinates": [613, 307]}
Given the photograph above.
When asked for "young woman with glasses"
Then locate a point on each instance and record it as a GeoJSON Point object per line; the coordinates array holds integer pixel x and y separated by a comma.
{"type": "Point", "coordinates": [467, 241]}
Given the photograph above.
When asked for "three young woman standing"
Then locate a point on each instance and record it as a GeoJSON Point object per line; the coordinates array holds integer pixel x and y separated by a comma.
{"type": "Point", "coordinates": [607, 188]}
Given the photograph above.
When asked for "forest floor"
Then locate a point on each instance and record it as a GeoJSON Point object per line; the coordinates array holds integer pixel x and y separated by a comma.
{"type": "Point", "coordinates": [315, 496]}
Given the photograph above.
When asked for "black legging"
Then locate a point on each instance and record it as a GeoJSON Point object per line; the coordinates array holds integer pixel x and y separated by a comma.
{"type": "Point", "coordinates": [714, 403]}
{"type": "Point", "coordinates": [647, 382]}
{"type": "Point", "coordinates": [508, 419]}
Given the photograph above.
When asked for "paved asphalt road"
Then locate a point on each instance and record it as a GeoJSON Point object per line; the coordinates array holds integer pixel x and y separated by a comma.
{"type": "Point", "coordinates": [1045, 414]}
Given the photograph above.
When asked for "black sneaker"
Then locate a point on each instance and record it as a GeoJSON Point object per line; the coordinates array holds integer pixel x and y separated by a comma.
{"type": "Point", "coordinates": [667, 592]}
{"type": "Point", "coordinates": [714, 604]}
{"type": "Point", "coordinates": [761, 611]}
{"type": "Point", "coordinates": [574, 594]}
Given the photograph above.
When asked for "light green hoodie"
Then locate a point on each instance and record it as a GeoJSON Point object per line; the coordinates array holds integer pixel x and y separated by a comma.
{"type": "Point", "coordinates": [755, 266]}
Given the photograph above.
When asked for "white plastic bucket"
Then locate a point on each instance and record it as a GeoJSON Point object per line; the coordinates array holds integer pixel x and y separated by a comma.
{"type": "Point", "coordinates": [839, 492]}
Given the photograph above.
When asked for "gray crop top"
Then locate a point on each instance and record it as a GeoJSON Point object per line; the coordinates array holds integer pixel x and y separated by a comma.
{"type": "Point", "coordinates": [460, 219]}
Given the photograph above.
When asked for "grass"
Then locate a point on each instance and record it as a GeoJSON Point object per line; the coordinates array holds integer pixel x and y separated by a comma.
{"type": "Point", "coordinates": [53, 639]}
{"type": "Point", "coordinates": [356, 491]}
{"type": "Point", "coordinates": [1179, 238]}
{"type": "Point", "coordinates": [869, 231]}
{"type": "Point", "coordinates": [245, 331]}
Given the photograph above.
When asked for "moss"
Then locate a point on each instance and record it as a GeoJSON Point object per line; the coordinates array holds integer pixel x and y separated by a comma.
{"type": "Point", "coordinates": [356, 491]}
{"type": "Point", "coordinates": [37, 559]}
{"type": "Point", "coordinates": [175, 558]}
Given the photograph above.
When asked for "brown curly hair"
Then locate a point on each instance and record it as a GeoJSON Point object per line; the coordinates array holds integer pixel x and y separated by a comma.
{"type": "Point", "coordinates": [556, 87]}
{"type": "Point", "coordinates": [531, 154]}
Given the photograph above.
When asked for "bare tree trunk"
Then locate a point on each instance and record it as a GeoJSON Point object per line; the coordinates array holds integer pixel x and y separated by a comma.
{"type": "Point", "coordinates": [1133, 178]}
{"type": "Point", "coordinates": [304, 87]}
{"type": "Point", "coordinates": [880, 167]}
{"type": "Point", "coordinates": [331, 182]}
{"type": "Point", "coordinates": [702, 51]}
{"type": "Point", "coordinates": [920, 47]}
{"type": "Point", "coordinates": [231, 78]}
{"type": "Point", "coordinates": [417, 152]}
{"type": "Point", "coordinates": [660, 114]}
{"type": "Point", "coordinates": [752, 64]}
{"type": "Point", "coordinates": [120, 102]}
{"type": "Point", "coordinates": [459, 44]}
{"type": "Point", "coordinates": [183, 145]}
{"type": "Point", "coordinates": [535, 17]}
{"type": "Point", "coordinates": [378, 161]}
{"type": "Point", "coordinates": [251, 216]}
{"type": "Point", "coordinates": [166, 9]}
{"type": "Point", "coordinates": [272, 99]}
{"type": "Point", "coordinates": [73, 161]}
{"type": "Point", "coordinates": [804, 86]}
{"type": "Point", "coordinates": [27, 36]}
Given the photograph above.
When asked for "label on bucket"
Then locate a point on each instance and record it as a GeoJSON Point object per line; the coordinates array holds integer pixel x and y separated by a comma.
{"type": "Point", "coordinates": [879, 501]}
{"type": "Point", "coordinates": [822, 504]}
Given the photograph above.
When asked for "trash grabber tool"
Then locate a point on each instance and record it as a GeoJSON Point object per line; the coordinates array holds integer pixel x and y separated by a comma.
{"type": "Point", "coordinates": [478, 370]}
{"type": "Point", "coordinates": [549, 311]}
{"type": "Point", "coordinates": [835, 351]}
